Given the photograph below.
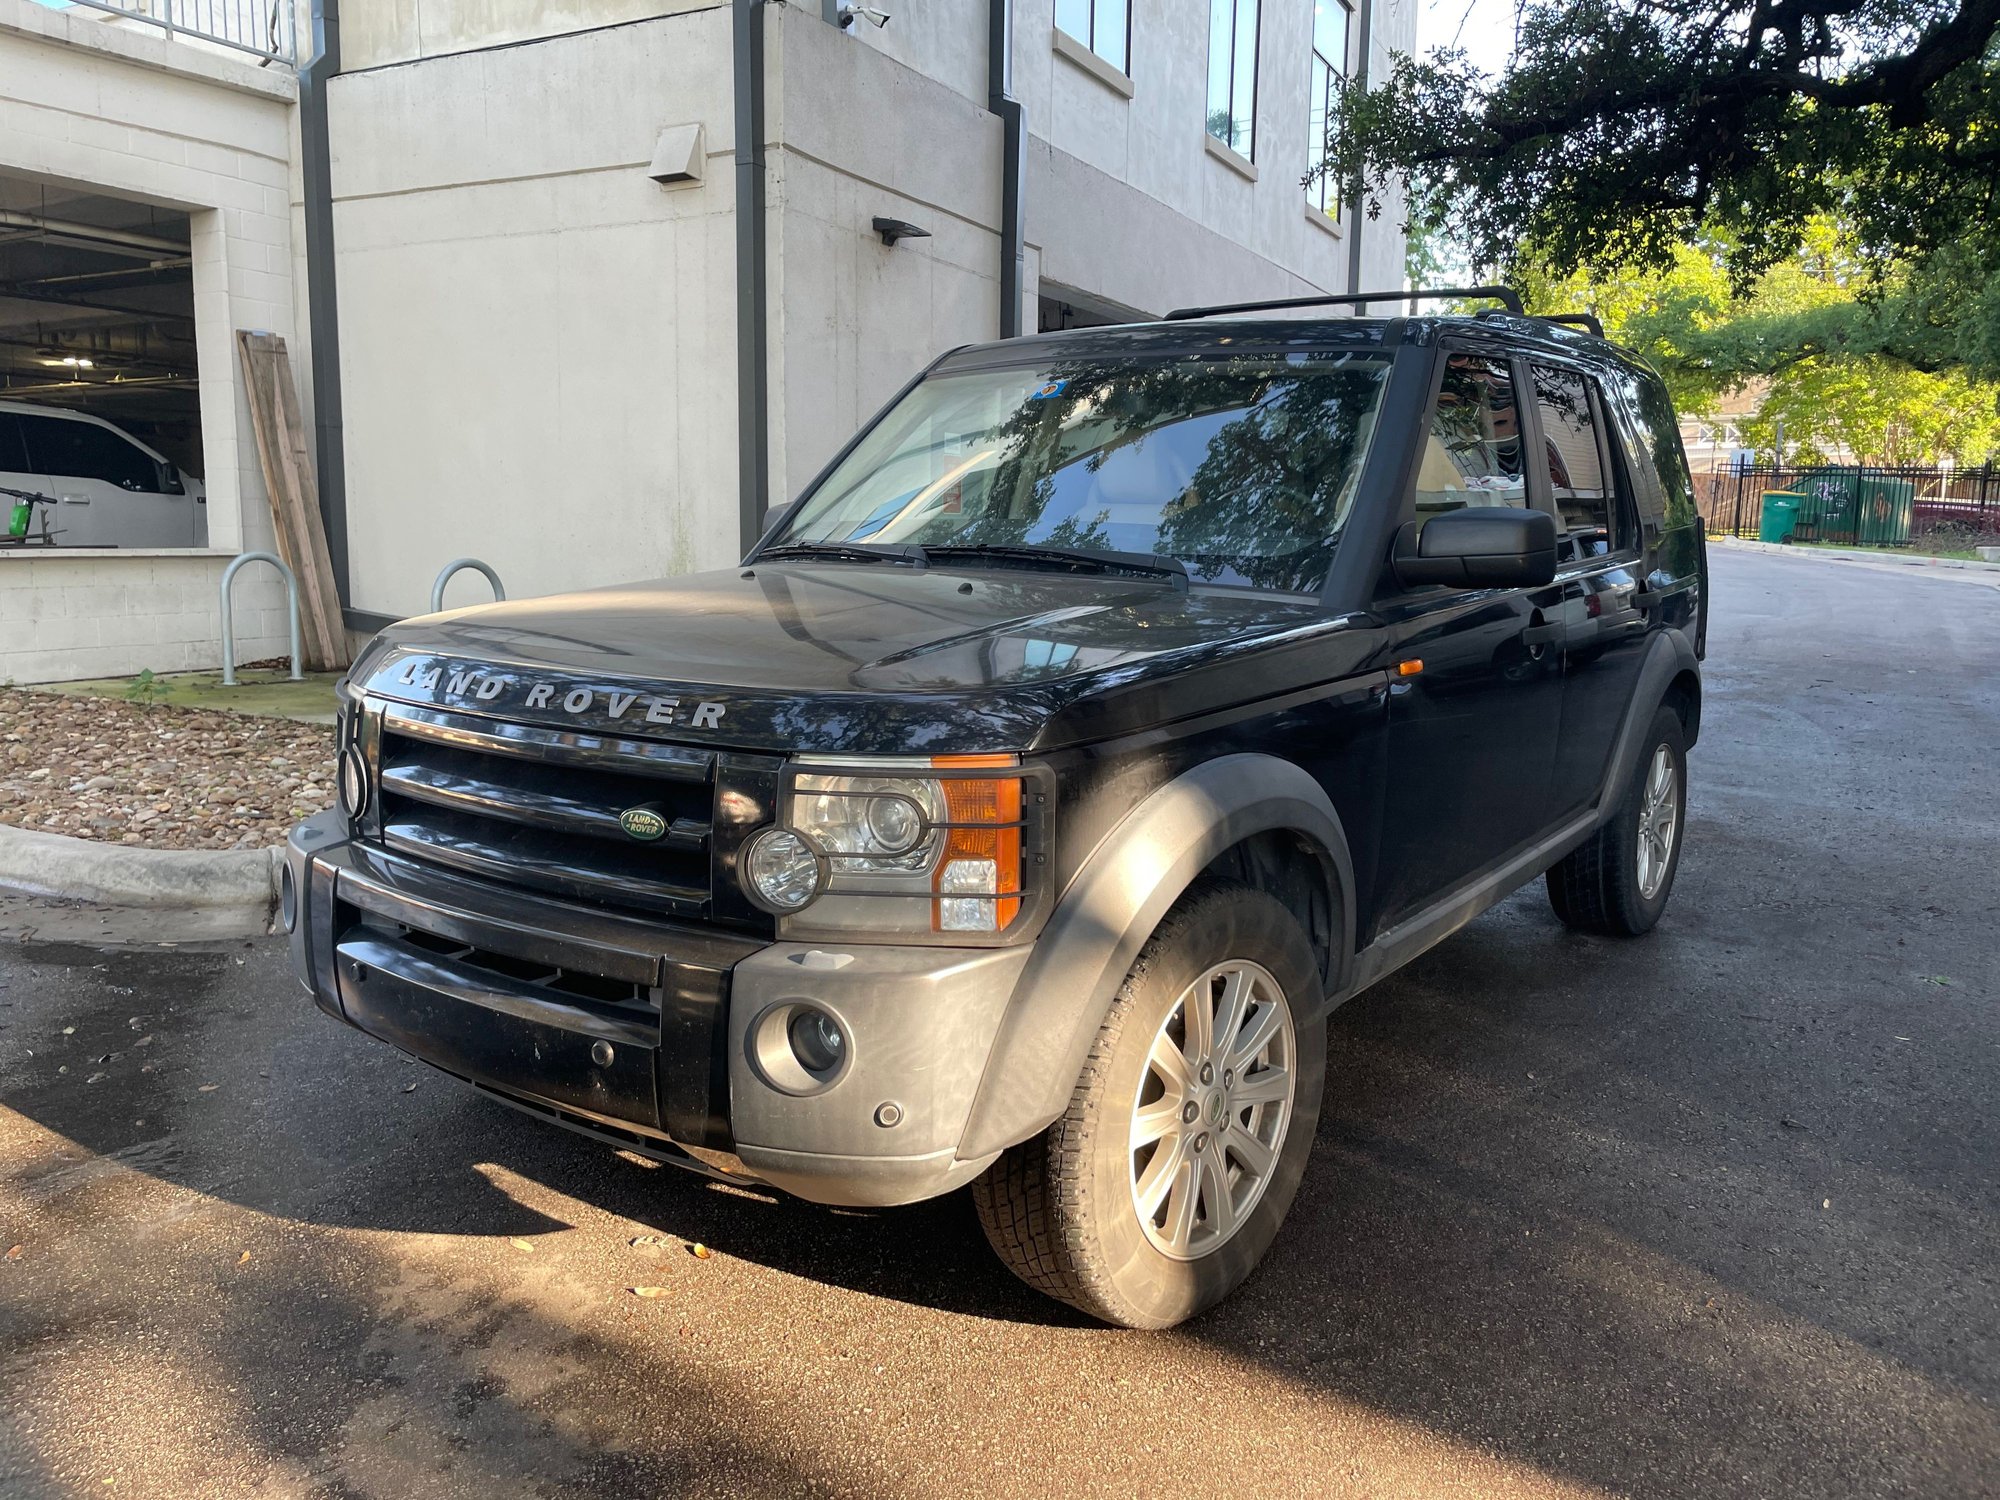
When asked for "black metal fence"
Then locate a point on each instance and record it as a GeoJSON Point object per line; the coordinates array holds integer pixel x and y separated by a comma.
{"type": "Point", "coordinates": [1869, 505]}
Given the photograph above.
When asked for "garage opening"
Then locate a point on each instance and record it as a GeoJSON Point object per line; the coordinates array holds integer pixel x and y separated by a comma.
{"type": "Point", "coordinates": [100, 410]}
{"type": "Point", "coordinates": [1063, 307]}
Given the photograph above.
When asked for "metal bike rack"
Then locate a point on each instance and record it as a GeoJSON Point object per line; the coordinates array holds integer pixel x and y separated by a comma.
{"type": "Point", "coordinates": [228, 620]}
{"type": "Point", "coordinates": [460, 565]}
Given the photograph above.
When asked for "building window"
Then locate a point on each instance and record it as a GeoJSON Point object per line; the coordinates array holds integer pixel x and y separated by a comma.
{"type": "Point", "coordinates": [1329, 70]}
{"type": "Point", "coordinates": [1104, 26]}
{"type": "Point", "coordinates": [1232, 73]}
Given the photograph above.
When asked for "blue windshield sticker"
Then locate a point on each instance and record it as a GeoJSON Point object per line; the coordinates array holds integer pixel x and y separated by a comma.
{"type": "Point", "coordinates": [1053, 388]}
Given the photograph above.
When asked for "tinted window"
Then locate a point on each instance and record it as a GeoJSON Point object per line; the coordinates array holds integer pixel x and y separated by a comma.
{"type": "Point", "coordinates": [1663, 438]}
{"type": "Point", "coordinates": [83, 450]}
{"type": "Point", "coordinates": [1472, 453]}
{"type": "Point", "coordinates": [1580, 472]}
{"type": "Point", "coordinates": [1243, 467]}
{"type": "Point", "coordinates": [13, 448]}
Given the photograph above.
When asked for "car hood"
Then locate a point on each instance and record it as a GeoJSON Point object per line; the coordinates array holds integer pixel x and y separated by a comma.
{"type": "Point", "coordinates": [854, 657]}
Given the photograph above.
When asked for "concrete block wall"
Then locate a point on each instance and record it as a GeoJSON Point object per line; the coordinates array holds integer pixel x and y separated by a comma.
{"type": "Point", "coordinates": [106, 110]}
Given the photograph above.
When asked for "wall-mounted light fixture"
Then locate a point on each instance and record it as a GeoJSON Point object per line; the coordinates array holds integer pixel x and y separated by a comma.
{"type": "Point", "coordinates": [892, 230]}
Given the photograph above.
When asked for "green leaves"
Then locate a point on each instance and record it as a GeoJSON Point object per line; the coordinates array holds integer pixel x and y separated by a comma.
{"type": "Point", "coordinates": [1624, 130]}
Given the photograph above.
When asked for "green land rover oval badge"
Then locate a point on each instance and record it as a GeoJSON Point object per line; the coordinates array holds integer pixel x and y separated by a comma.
{"type": "Point", "coordinates": [642, 823]}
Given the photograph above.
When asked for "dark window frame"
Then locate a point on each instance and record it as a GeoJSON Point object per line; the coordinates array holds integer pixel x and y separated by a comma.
{"type": "Point", "coordinates": [142, 464]}
{"type": "Point", "coordinates": [13, 445]}
{"type": "Point", "coordinates": [1122, 64]}
{"type": "Point", "coordinates": [1248, 112]}
{"type": "Point", "coordinates": [1319, 105]}
{"type": "Point", "coordinates": [1625, 541]}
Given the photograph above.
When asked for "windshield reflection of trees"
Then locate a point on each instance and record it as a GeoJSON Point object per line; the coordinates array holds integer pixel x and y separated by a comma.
{"type": "Point", "coordinates": [1262, 505]}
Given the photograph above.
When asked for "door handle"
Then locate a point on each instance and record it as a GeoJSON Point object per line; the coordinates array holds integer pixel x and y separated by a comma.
{"type": "Point", "coordinates": [73, 499]}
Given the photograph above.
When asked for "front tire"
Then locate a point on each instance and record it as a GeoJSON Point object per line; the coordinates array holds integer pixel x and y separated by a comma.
{"type": "Point", "coordinates": [1166, 1180]}
{"type": "Point", "coordinates": [1618, 880]}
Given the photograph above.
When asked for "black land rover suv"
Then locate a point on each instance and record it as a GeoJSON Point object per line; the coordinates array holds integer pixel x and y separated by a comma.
{"type": "Point", "coordinates": [1114, 706]}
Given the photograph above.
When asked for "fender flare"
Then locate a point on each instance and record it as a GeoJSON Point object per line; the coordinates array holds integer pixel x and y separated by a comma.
{"type": "Point", "coordinates": [1666, 659]}
{"type": "Point", "coordinates": [1113, 905]}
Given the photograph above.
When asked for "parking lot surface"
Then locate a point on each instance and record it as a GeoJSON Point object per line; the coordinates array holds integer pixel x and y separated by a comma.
{"type": "Point", "coordinates": [1709, 1213]}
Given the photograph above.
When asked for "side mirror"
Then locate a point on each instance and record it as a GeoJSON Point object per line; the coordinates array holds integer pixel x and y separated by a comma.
{"type": "Point", "coordinates": [1479, 547]}
{"type": "Point", "coordinates": [772, 513]}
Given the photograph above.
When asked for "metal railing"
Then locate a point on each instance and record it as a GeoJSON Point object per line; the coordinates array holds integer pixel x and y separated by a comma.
{"type": "Point", "coordinates": [1731, 501]}
{"type": "Point", "coordinates": [228, 610]}
{"type": "Point", "coordinates": [263, 29]}
{"type": "Point", "coordinates": [462, 565]}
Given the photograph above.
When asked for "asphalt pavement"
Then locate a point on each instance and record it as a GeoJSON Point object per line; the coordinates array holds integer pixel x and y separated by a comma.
{"type": "Point", "coordinates": [1712, 1213]}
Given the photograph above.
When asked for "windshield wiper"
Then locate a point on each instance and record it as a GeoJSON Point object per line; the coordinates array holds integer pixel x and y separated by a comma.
{"type": "Point", "coordinates": [1068, 559]}
{"type": "Point", "coordinates": [845, 552]}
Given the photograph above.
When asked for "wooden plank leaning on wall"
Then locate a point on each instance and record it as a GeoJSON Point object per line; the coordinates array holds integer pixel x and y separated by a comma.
{"type": "Point", "coordinates": [294, 492]}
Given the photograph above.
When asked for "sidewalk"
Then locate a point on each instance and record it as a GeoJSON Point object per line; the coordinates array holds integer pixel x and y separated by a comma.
{"type": "Point", "coordinates": [1950, 569]}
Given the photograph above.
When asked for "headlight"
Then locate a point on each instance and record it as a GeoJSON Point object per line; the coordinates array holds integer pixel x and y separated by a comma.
{"type": "Point", "coordinates": [782, 869]}
{"type": "Point", "coordinates": [899, 852]}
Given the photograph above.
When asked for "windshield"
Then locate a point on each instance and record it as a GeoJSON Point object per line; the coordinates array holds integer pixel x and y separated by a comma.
{"type": "Point", "coordinates": [1242, 467]}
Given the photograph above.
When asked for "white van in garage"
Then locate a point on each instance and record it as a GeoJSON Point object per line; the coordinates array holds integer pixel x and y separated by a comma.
{"type": "Point", "coordinates": [111, 490]}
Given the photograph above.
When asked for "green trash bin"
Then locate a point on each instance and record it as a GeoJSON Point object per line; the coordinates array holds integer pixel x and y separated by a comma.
{"type": "Point", "coordinates": [1779, 516]}
{"type": "Point", "coordinates": [1882, 518]}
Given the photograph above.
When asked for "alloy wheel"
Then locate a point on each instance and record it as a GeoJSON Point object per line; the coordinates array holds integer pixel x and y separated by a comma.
{"type": "Point", "coordinates": [1212, 1109]}
{"type": "Point", "coordinates": [1659, 822]}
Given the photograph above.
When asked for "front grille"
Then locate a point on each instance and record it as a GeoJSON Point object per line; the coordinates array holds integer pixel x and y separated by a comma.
{"type": "Point", "coordinates": [620, 999]}
{"type": "Point", "coordinates": [540, 808]}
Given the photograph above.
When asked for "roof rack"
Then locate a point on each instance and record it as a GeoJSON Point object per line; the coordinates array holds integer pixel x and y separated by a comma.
{"type": "Point", "coordinates": [1504, 295]}
{"type": "Point", "coordinates": [1586, 321]}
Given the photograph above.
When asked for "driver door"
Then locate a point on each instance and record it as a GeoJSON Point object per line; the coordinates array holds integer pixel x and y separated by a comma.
{"type": "Point", "coordinates": [1475, 681]}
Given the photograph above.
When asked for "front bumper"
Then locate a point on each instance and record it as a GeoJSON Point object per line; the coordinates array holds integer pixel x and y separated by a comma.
{"type": "Point", "coordinates": [648, 1032]}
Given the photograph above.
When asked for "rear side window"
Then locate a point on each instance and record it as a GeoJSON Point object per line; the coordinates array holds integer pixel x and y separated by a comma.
{"type": "Point", "coordinates": [1472, 452]}
{"type": "Point", "coordinates": [1663, 437]}
{"type": "Point", "coordinates": [83, 450]}
{"type": "Point", "coordinates": [1581, 481]}
{"type": "Point", "coordinates": [13, 447]}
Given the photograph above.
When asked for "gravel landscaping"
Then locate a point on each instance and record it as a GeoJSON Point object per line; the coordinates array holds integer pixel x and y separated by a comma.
{"type": "Point", "coordinates": [167, 778]}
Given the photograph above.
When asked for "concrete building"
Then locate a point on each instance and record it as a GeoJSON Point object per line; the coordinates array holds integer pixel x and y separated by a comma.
{"type": "Point", "coordinates": [117, 147]}
{"type": "Point", "coordinates": [594, 282]}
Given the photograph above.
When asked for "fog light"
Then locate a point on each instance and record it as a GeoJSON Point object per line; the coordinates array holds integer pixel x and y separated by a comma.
{"type": "Point", "coordinates": [353, 783]}
{"type": "Point", "coordinates": [817, 1041]}
{"type": "Point", "coordinates": [799, 1048]}
{"type": "Point", "coordinates": [288, 898]}
{"type": "Point", "coordinates": [781, 870]}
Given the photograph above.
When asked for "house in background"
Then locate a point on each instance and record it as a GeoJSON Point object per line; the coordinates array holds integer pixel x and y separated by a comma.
{"type": "Point", "coordinates": [591, 285]}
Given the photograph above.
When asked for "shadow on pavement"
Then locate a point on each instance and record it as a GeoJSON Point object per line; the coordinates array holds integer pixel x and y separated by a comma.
{"type": "Point", "coordinates": [1555, 1213]}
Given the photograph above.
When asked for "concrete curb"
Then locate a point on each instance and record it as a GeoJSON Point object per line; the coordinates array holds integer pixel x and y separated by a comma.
{"type": "Point", "coordinates": [202, 883]}
{"type": "Point", "coordinates": [1880, 557]}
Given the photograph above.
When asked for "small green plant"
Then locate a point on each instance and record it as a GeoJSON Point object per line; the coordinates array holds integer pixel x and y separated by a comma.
{"type": "Point", "coordinates": [145, 688]}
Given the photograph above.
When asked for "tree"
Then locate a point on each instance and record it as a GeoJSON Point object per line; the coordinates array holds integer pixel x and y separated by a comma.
{"type": "Point", "coordinates": [1792, 330]}
{"type": "Point", "coordinates": [1623, 130]}
{"type": "Point", "coordinates": [1876, 411]}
